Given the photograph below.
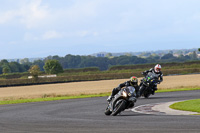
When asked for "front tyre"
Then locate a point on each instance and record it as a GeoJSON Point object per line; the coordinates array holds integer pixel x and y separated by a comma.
{"type": "Point", "coordinates": [146, 94]}
{"type": "Point", "coordinates": [118, 107]}
{"type": "Point", "coordinates": [107, 111]}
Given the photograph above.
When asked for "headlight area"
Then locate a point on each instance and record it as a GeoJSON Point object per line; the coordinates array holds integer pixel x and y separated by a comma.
{"type": "Point", "coordinates": [124, 94]}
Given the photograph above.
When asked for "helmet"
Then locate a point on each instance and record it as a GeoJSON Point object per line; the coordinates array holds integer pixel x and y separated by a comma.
{"type": "Point", "coordinates": [134, 79]}
{"type": "Point", "coordinates": [157, 68]}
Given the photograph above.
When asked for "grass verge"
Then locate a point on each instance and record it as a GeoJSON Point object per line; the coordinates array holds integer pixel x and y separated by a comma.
{"type": "Point", "coordinates": [58, 97]}
{"type": "Point", "coordinates": [179, 89]}
{"type": "Point", "coordinates": [50, 98]}
{"type": "Point", "coordinates": [189, 105]}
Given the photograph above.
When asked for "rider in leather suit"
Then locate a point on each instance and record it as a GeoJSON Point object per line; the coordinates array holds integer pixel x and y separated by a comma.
{"type": "Point", "coordinates": [132, 82]}
{"type": "Point", "coordinates": [156, 70]}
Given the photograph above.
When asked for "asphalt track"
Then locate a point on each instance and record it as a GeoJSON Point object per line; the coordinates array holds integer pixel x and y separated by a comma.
{"type": "Point", "coordinates": [87, 115]}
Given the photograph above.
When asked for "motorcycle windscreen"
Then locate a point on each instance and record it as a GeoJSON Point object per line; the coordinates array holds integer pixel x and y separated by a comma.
{"type": "Point", "coordinates": [131, 91]}
{"type": "Point", "coordinates": [153, 75]}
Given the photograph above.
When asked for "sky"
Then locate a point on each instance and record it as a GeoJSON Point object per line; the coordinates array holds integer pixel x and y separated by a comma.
{"type": "Point", "coordinates": [39, 28]}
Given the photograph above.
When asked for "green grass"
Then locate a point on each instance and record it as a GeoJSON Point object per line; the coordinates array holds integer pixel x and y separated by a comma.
{"type": "Point", "coordinates": [179, 89]}
{"type": "Point", "coordinates": [16, 101]}
{"type": "Point", "coordinates": [58, 97]}
{"type": "Point", "coordinates": [190, 105]}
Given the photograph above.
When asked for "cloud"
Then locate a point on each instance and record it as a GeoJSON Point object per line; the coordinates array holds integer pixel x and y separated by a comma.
{"type": "Point", "coordinates": [33, 14]}
{"type": "Point", "coordinates": [7, 16]}
{"type": "Point", "coordinates": [13, 42]}
{"type": "Point", "coordinates": [40, 15]}
{"type": "Point", "coordinates": [81, 10]}
{"type": "Point", "coordinates": [29, 14]}
{"type": "Point", "coordinates": [196, 17]}
{"type": "Point", "coordinates": [30, 36]}
{"type": "Point", "coordinates": [52, 35]}
{"type": "Point", "coordinates": [88, 22]}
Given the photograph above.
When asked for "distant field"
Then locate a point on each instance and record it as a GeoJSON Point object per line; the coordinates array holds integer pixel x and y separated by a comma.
{"type": "Point", "coordinates": [90, 87]}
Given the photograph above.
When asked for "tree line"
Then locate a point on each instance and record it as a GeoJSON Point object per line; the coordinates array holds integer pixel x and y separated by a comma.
{"type": "Point", "coordinates": [76, 61]}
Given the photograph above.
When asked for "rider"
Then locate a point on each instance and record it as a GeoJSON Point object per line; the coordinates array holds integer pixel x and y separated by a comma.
{"type": "Point", "coordinates": [156, 70]}
{"type": "Point", "coordinates": [132, 82]}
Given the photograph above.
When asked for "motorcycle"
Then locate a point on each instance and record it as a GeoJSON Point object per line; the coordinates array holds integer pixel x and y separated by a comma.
{"type": "Point", "coordinates": [147, 84]}
{"type": "Point", "coordinates": [124, 99]}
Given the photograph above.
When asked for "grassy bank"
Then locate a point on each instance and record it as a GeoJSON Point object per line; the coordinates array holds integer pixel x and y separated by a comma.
{"type": "Point", "coordinates": [59, 97]}
{"type": "Point", "coordinates": [190, 105]}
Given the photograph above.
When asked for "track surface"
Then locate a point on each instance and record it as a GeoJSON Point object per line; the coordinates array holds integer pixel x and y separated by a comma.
{"type": "Point", "coordinates": [87, 115]}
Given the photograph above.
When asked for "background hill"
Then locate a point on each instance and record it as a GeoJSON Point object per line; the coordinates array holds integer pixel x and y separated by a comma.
{"type": "Point", "coordinates": [103, 61]}
{"type": "Point", "coordinates": [87, 68]}
{"type": "Point", "coordinates": [175, 52]}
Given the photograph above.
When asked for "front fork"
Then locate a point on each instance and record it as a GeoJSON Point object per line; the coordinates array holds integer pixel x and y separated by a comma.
{"type": "Point", "coordinates": [111, 103]}
{"type": "Point", "coordinates": [141, 90]}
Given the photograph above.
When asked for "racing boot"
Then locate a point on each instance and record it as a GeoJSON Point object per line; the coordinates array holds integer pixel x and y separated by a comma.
{"type": "Point", "coordinates": [154, 89]}
{"type": "Point", "coordinates": [137, 94]}
{"type": "Point", "coordinates": [114, 92]}
{"type": "Point", "coordinates": [153, 92]}
{"type": "Point", "coordinates": [110, 98]}
{"type": "Point", "coordinates": [137, 91]}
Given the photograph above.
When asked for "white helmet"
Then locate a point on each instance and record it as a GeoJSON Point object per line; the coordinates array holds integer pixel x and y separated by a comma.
{"type": "Point", "coordinates": [157, 68]}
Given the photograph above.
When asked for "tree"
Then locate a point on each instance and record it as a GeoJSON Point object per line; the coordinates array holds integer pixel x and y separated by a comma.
{"type": "Point", "coordinates": [108, 55]}
{"type": "Point", "coordinates": [40, 63]}
{"type": "Point", "coordinates": [154, 56]}
{"type": "Point", "coordinates": [199, 49]}
{"type": "Point", "coordinates": [1, 70]}
{"type": "Point", "coordinates": [193, 55]}
{"type": "Point", "coordinates": [15, 67]}
{"type": "Point", "coordinates": [6, 69]}
{"type": "Point", "coordinates": [171, 52]}
{"type": "Point", "coordinates": [23, 61]}
{"type": "Point", "coordinates": [167, 56]}
{"type": "Point", "coordinates": [52, 67]}
{"type": "Point", "coordinates": [128, 54]}
{"type": "Point", "coordinates": [4, 62]}
{"type": "Point", "coordinates": [35, 71]}
{"type": "Point", "coordinates": [145, 54]}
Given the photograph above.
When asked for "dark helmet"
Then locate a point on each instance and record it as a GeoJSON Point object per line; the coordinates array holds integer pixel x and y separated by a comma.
{"type": "Point", "coordinates": [134, 80]}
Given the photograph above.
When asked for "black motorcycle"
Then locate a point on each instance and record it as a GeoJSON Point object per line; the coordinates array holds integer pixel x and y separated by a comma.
{"type": "Point", "coordinates": [124, 99]}
{"type": "Point", "coordinates": [148, 83]}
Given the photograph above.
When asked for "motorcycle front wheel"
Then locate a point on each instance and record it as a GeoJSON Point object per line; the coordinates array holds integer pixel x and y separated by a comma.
{"type": "Point", "coordinates": [118, 107]}
{"type": "Point", "coordinates": [146, 94]}
{"type": "Point", "coordinates": [107, 111]}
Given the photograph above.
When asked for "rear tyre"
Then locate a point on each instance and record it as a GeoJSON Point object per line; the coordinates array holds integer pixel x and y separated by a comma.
{"type": "Point", "coordinates": [118, 107]}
